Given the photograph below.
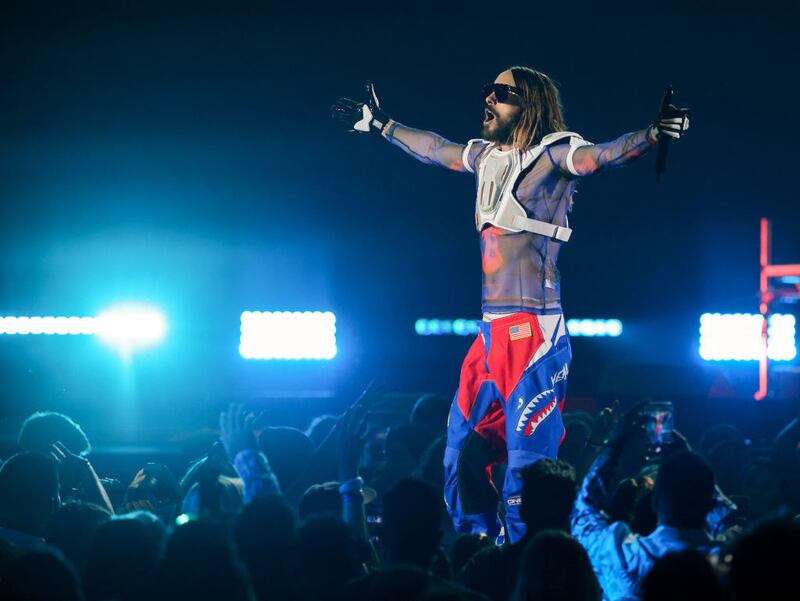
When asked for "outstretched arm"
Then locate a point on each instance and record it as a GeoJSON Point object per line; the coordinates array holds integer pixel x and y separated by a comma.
{"type": "Point", "coordinates": [425, 146]}
{"type": "Point", "coordinates": [581, 158]}
{"type": "Point", "coordinates": [585, 159]}
{"type": "Point", "coordinates": [368, 117]}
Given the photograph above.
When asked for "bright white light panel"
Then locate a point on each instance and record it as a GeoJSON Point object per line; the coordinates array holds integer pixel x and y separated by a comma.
{"type": "Point", "coordinates": [737, 337]}
{"type": "Point", "coordinates": [48, 325]}
{"type": "Point", "coordinates": [123, 326]}
{"type": "Point", "coordinates": [288, 335]}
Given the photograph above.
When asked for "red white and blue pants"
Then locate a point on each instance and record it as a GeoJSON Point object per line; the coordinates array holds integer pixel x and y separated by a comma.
{"type": "Point", "coordinates": [507, 408]}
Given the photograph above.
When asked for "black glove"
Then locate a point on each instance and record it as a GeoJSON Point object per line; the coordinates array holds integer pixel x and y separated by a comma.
{"type": "Point", "coordinates": [360, 117]}
{"type": "Point", "coordinates": [672, 121]}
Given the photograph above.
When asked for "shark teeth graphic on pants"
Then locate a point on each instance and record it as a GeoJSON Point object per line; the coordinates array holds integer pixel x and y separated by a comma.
{"type": "Point", "coordinates": [528, 421]}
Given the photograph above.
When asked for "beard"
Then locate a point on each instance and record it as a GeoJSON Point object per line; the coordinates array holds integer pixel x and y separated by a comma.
{"type": "Point", "coordinates": [500, 130]}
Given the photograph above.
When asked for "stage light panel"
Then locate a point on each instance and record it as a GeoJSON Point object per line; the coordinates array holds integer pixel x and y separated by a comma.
{"type": "Point", "coordinates": [47, 325]}
{"type": "Point", "coordinates": [594, 327]}
{"type": "Point", "coordinates": [737, 337]}
{"type": "Point", "coordinates": [446, 327]}
{"type": "Point", "coordinates": [469, 327]}
{"type": "Point", "coordinates": [126, 327]}
{"type": "Point", "coordinates": [288, 335]}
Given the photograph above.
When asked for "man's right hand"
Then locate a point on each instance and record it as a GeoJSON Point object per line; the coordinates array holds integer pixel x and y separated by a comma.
{"type": "Point", "coordinates": [361, 117]}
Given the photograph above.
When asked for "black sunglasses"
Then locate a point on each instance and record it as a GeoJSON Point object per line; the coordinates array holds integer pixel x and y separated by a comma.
{"type": "Point", "coordinates": [501, 91]}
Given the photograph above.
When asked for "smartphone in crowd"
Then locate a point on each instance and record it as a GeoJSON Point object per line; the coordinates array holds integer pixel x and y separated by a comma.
{"type": "Point", "coordinates": [657, 421]}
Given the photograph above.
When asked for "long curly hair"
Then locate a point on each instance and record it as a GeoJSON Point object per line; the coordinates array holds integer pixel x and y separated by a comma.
{"type": "Point", "coordinates": [542, 112]}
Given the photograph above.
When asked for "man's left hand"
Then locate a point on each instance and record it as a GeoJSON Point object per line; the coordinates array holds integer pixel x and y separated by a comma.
{"type": "Point", "coordinates": [672, 122]}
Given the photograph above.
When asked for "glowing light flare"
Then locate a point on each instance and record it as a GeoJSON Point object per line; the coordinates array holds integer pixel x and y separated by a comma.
{"type": "Point", "coordinates": [288, 335]}
{"type": "Point", "coordinates": [129, 326]}
{"type": "Point", "coordinates": [737, 337]}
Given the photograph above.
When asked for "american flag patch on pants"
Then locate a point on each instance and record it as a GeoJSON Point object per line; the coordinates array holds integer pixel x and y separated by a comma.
{"type": "Point", "coordinates": [520, 331]}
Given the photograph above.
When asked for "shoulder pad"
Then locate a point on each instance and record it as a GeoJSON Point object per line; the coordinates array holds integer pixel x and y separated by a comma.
{"type": "Point", "coordinates": [559, 135]}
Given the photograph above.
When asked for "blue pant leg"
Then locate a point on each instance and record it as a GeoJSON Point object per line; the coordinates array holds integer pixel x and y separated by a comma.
{"type": "Point", "coordinates": [460, 465]}
{"type": "Point", "coordinates": [534, 427]}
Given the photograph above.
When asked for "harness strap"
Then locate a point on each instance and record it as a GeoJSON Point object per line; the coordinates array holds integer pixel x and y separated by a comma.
{"type": "Point", "coordinates": [542, 228]}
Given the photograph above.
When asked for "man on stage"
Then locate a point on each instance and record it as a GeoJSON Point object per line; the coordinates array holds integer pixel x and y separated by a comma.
{"type": "Point", "coordinates": [513, 380]}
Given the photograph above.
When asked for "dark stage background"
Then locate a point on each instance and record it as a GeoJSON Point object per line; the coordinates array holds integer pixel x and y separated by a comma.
{"type": "Point", "coordinates": [184, 155]}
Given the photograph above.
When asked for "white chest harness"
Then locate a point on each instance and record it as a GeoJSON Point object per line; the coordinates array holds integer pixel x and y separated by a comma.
{"type": "Point", "coordinates": [497, 175]}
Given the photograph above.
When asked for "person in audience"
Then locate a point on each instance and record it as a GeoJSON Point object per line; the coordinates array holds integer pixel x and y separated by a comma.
{"type": "Point", "coordinates": [29, 495]}
{"type": "Point", "coordinates": [154, 488]}
{"type": "Point", "coordinates": [41, 575]}
{"type": "Point", "coordinates": [200, 564]}
{"type": "Point", "coordinates": [723, 446]}
{"type": "Point", "coordinates": [319, 428]}
{"type": "Point", "coordinates": [465, 547]}
{"type": "Point", "coordinates": [214, 497]}
{"type": "Point", "coordinates": [123, 557]}
{"type": "Point", "coordinates": [555, 567]}
{"type": "Point", "coordinates": [632, 503]}
{"type": "Point", "coordinates": [685, 576]}
{"type": "Point", "coordinates": [683, 497]}
{"type": "Point", "coordinates": [288, 451]}
{"type": "Point", "coordinates": [240, 444]}
{"type": "Point", "coordinates": [41, 430]}
{"type": "Point", "coordinates": [330, 558]}
{"type": "Point", "coordinates": [548, 493]}
{"type": "Point", "coordinates": [266, 541]}
{"type": "Point", "coordinates": [765, 563]}
{"type": "Point", "coordinates": [71, 529]}
{"type": "Point", "coordinates": [61, 437]}
{"type": "Point", "coordinates": [785, 455]}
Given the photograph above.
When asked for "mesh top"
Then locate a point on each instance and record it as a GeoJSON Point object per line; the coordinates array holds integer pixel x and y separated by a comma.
{"type": "Point", "coordinates": [519, 268]}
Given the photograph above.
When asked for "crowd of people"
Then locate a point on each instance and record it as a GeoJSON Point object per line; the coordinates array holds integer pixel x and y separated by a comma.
{"type": "Point", "coordinates": [352, 509]}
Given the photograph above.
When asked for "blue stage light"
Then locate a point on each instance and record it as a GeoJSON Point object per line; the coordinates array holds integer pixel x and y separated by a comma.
{"type": "Point", "coordinates": [594, 327]}
{"type": "Point", "coordinates": [47, 325]}
{"type": "Point", "coordinates": [446, 327]}
{"type": "Point", "coordinates": [288, 335]}
{"type": "Point", "coordinates": [127, 327]}
{"type": "Point", "coordinates": [737, 337]}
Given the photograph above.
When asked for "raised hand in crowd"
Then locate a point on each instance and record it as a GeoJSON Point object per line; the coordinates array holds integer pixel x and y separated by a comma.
{"type": "Point", "coordinates": [353, 431]}
{"type": "Point", "coordinates": [78, 478]}
{"type": "Point", "coordinates": [238, 437]}
{"type": "Point", "coordinates": [236, 430]}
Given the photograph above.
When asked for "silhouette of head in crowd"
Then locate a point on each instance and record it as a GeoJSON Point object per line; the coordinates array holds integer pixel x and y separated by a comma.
{"type": "Point", "coordinates": [684, 491]}
{"type": "Point", "coordinates": [200, 564]}
{"type": "Point", "coordinates": [686, 576]}
{"type": "Point", "coordinates": [412, 518]}
{"type": "Point", "coordinates": [29, 492]}
{"type": "Point", "coordinates": [765, 562]}
{"type": "Point", "coordinates": [264, 533]}
{"type": "Point", "coordinates": [122, 558]}
{"type": "Point", "coordinates": [44, 428]}
{"type": "Point", "coordinates": [288, 451]}
{"type": "Point", "coordinates": [330, 557]}
{"type": "Point", "coordinates": [555, 567]}
{"type": "Point", "coordinates": [549, 488]}
{"type": "Point", "coordinates": [42, 575]}
{"type": "Point", "coordinates": [71, 529]}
